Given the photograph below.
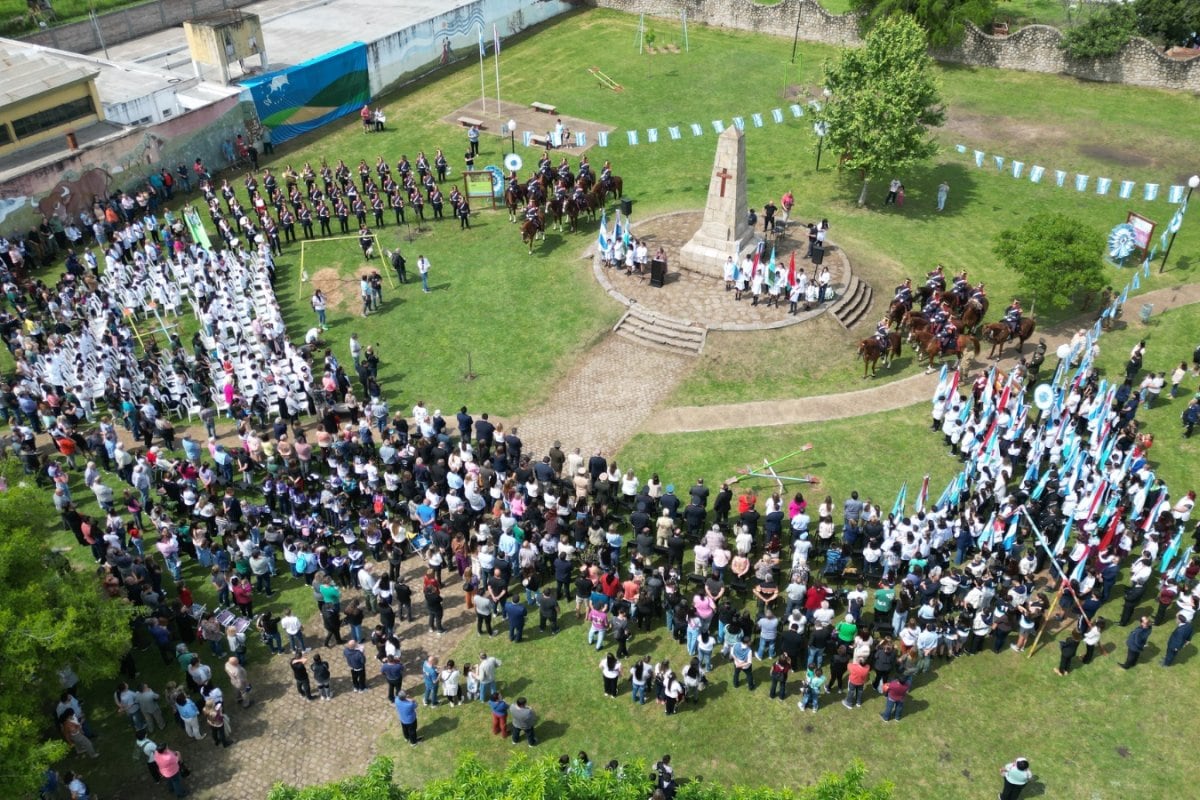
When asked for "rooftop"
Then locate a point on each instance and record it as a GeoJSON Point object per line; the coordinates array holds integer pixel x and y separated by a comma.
{"type": "Point", "coordinates": [25, 73]}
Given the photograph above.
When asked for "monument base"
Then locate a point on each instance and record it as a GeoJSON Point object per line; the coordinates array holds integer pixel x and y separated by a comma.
{"type": "Point", "coordinates": [707, 255]}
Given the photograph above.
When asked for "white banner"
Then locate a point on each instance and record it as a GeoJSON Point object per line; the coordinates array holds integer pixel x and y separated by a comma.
{"type": "Point", "coordinates": [1036, 173]}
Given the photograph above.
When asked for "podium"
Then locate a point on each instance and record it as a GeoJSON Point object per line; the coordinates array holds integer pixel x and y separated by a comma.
{"type": "Point", "coordinates": [658, 273]}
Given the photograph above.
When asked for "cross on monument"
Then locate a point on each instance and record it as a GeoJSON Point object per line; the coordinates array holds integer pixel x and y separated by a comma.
{"type": "Point", "coordinates": [724, 175]}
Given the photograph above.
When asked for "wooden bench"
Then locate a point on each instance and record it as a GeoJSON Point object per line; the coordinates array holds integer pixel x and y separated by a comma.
{"type": "Point", "coordinates": [544, 107]}
{"type": "Point", "coordinates": [467, 122]}
{"type": "Point", "coordinates": [539, 140]}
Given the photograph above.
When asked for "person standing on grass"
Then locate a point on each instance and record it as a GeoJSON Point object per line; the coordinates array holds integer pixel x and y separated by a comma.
{"type": "Point", "coordinates": [406, 710]}
{"type": "Point", "coordinates": [780, 671]}
{"type": "Point", "coordinates": [610, 670]}
{"type": "Point", "coordinates": [858, 671]}
{"type": "Point", "coordinates": [1067, 647]}
{"type": "Point", "coordinates": [430, 676]}
{"type": "Point", "coordinates": [743, 661]}
{"type": "Point", "coordinates": [523, 720]}
{"type": "Point", "coordinates": [1136, 642]}
{"type": "Point", "coordinates": [1017, 776]}
{"type": "Point", "coordinates": [499, 714]}
{"type": "Point", "coordinates": [1177, 378]}
{"type": "Point", "coordinates": [1178, 639]}
{"type": "Point", "coordinates": [170, 768]}
{"type": "Point", "coordinates": [943, 191]}
{"type": "Point", "coordinates": [319, 306]}
{"type": "Point", "coordinates": [896, 691]}
{"type": "Point", "coordinates": [814, 684]}
{"type": "Point", "coordinates": [423, 270]}
{"type": "Point", "coordinates": [487, 676]}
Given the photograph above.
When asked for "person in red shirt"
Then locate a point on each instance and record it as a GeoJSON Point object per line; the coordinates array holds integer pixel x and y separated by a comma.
{"type": "Point", "coordinates": [816, 595]}
{"type": "Point", "coordinates": [896, 691]}
{"type": "Point", "coordinates": [858, 671]}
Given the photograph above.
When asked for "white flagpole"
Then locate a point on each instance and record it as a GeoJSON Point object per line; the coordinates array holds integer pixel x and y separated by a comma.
{"type": "Point", "coordinates": [482, 81]}
{"type": "Point", "coordinates": [496, 42]}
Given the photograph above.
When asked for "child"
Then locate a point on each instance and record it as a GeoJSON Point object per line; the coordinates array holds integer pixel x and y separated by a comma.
{"type": "Point", "coordinates": [472, 683]}
{"type": "Point", "coordinates": [499, 715]}
{"type": "Point", "coordinates": [814, 683]}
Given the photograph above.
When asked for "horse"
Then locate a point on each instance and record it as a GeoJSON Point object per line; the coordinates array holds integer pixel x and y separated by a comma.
{"type": "Point", "coordinates": [972, 313]}
{"type": "Point", "coordinates": [515, 200]}
{"type": "Point", "coordinates": [896, 312]}
{"type": "Point", "coordinates": [998, 333]}
{"type": "Point", "coordinates": [531, 230]}
{"type": "Point", "coordinates": [601, 191]}
{"type": "Point", "coordinates": [870, 351]}
{"type": "Point", "coordinates": [558, 210]}
{"type": "Point", "coordinates": [929, 348]}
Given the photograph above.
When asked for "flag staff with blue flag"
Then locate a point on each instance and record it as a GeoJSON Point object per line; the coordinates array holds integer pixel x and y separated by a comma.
{"type": "Point", "coordinates": [482, 80]}
{"type": "Point", "coordinates": [602, 239]}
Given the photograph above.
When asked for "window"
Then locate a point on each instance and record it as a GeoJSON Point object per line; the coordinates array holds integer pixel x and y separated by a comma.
{"type": "Point", "coordinates": [53, 117]}
{"type": "Point", "coordinates": [5, 136]}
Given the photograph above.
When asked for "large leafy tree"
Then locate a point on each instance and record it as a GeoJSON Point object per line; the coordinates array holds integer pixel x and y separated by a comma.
{"type": "Point", "coordinates": [884, 102]}
{"type": "Point", "coordinates": [52, 617]}
{"type": "Point", "coordinates": [1102, 34]}
{"type": "Point", "coordinates": [945, 21]}
{"type": "Point", "coordinates": [1168, 21]}
{"type": "Point", "coordinates": [1057, 257]}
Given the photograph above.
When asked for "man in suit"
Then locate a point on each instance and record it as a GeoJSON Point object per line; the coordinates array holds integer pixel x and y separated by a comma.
{"type": "Point", "coordinates": [597, 466]}
{"type": "Point", "coordinates": [484, 432]}
{"type": "Point", "coordinates": [1178, 639]}
{"type": "Point", "coordinates": [1136, 642]}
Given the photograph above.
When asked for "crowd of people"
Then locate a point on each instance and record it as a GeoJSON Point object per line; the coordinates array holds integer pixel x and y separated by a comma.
{"type": "Point", "coordinates": [343, 504]}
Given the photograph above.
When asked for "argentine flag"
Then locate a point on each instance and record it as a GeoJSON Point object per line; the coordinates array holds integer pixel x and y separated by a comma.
{"type": "Point", "coordinates": [602, 239]}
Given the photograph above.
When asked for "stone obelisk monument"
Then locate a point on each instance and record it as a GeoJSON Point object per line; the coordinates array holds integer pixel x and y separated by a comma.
{"type": "Point", "coordinates": [725, 231]}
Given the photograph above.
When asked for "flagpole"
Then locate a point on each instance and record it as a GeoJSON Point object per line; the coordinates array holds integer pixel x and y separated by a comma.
{"type": "Point", "coordinates": [482, 80]}
{"type": "Point", "coordinates": [496, 37]}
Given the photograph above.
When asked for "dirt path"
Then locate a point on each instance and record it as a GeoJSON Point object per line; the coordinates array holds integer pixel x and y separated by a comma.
{"type": "Point", "coordinates": [891, 396]}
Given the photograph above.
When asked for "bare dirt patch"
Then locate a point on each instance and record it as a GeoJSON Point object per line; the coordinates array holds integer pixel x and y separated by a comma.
{"type": "Point", "coordinates": [982, 128]}
{"type": "Point", "coordinates": [1117, 155]}
{"type": "Point", "coordinates": [341, 291]}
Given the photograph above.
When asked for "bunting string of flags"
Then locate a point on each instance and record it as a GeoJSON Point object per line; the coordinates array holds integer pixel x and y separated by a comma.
{"type": "Point", "coordinates": [1125, 188]}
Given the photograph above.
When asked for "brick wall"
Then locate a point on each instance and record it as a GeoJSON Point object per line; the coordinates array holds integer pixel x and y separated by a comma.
{"type": "Point", "coordinates": [128, 23]}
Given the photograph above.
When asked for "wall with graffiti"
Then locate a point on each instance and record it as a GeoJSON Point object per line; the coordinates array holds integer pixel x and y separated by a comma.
{"type": "Point", "coordinates": [408, 52]}
{"type": "Point", "coordinates": [66, 186]}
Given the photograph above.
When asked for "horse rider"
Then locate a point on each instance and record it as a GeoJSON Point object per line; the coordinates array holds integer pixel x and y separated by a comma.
{"type": "Point", "coordinates": [938, 316]}
{"type": "Point", "coordinates": [606, 176]}
{"type": "Point", "coordinates": [560, 192]}
{"type": "Point", "coordinates": [935, 281]}
{"type": "Point", "coordinates": [544, 164]}
{"type": "Point", "coordinates": [514, 183]}
{"type": "Point", "coordinates": [962, 289]}
{"type": "Point", "coordinates": [579, 195]}
{"type": "Point", "coordinates": [532, 215]}
{"type": "Point", "coordinates": [564, 170]}
{"type": "Point", "coordinates": [1012, 316]}
{"type": "Point", "coordinates": [948, 336]}
{"type": "Point", "coordinates": [979, 295]}
{"type": "Point", "coordinates": [904, 294]}
{"type": "Point", "coordinates": [882, 334]}
{"type": "Point", "coordinates": [585, 170]}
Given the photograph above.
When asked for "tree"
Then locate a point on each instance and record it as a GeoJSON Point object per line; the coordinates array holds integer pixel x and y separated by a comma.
{"type": "Point", "coordinates": [1056, 257]}
{"type": "Point", "coordinates": [52, 617]}
{"type": "Point", "coordinates": [884, 102]}
{"type": "Point", "coordinates": [1102, 34]}
{"type": "Point", "coordinates": [1168, 21]}
{"type": "Point", "coordinates": [944, 21]}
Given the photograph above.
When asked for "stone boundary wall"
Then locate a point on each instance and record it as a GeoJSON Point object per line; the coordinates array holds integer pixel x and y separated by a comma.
{"type": "Point", "coordinates": [128, 23]}
{"type": "Point", "coordinates": [1033, 48]}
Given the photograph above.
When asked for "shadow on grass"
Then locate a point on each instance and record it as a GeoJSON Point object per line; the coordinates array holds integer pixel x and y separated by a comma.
{"type": "Point", "coordinates": [553, 729]}
{"type": "Point", "coordinates": [439, 726]}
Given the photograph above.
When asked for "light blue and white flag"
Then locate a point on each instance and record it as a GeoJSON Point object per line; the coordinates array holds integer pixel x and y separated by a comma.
{"type": "Point", "coordinates": [1126, 190]}
{"type": "Point", "coordinates": [718, 126]}
{"type": "Point", "coordinates": [1150, 192]}
{"type": "Point", "coordinates": [999, 162]}
{"type": "Point", "coordinates": [796, 110]}
{"type": "Point", "coordinates": [777, 114]}
{"type": "Point", "coordinates": [697, 130]}
{"type": "Point", "coordinates": [1081, 183]}
{"type": "Point", "coordinates": [979, 154]}
{"type": "Point", "coordinates": [739, 123]}
{"type": "Point", "coordinates": [1163, 239]}
{"type": "Point", "coordinates": [1146, 265]}
{"type": "Point", "coordinates": [815, 105]}
{"type": "Point", "coordinates": [526, 137]}
{"type": "Point", "coordinates": [602, 238]}
{"type": "Point", "coordinates": [673, 132]}
{"type": "Point", "coordinates": [602, 138]}
{"type": "Point", "coordinates": [632, 136]}
{"type": "Point", "coordinates": [1036, 173]}
{"type": "Point", "coordinates": [1017, 168]}
{"type": "Point", "coordinates": [1175, 194]}
{"type": "Point", "coordinates": [1103, 185]}
{"type": "Point", "coordinates": [962, 148]}
{"type": "Point", "coordinates": [581, 139]}
{"type": "Point", "coordinates": [1060, 177]}
{"type": "Point", "coordinates": [757, 120]}
{"type": "Point", "coordinates": [652, 135]}
{"type": "Point", "coordinates": [1137, 281]}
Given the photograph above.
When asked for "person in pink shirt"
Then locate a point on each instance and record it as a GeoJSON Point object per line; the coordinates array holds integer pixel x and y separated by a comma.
{"type": "Point", "coordinates": [170, 768]}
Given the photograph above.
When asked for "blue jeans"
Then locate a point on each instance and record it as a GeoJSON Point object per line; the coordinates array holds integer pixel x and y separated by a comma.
{"type": "Point", "coordinates": [693, 636]}
{"type": "Point", "coordinates": [639, 693]}
{"type": "Point", "coordinates": [486, 690]}
{"type": "Point", "coordinates": [357, 632]}
{"type": "Point", "coordinates": [431, 693]}
{"type": "Point", "coordinates": [175, 784]}
{"type": "Point", "coordinates": [766, 646]}
{"type": "Point", "coordinates": [893, 710]}
{"type": "Point", "coordinates": [296, 641]}
{"type": "Point", "coordinates": [811, 699]}
{"type": "Point", "coordinates": [425, 281]}
{"type": "Point", "coordinates": [275, 642]}
{"type": "Point", "coordinates": [854, 695]}
{"type": "Point", "coordinates": [321, 317]}
{"type": "Point", "coordinates": [598, 634]}
{"type": "Point", "coordinates": [816, 655]}
{"type": "Point", "coordinates": [706, 660]}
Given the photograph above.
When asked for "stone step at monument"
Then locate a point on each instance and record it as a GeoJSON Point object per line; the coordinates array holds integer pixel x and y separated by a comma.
{"type": "Point", "coordinates": [639, 311]}
{"type": "Point", "coordinates": [661, 333]}
{"type": "Point", "coordinates": [854, 303]}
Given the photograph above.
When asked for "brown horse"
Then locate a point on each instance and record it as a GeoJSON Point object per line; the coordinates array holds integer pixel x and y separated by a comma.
{"type": "Point", "coordinates": [515, 200]}
{"type": "Point", "coordinates": [896, 313]}
{"type": "Point", "coordinates": [930, 349]}
{"type": "Point", "coordinates": [601, 191]}
{"type": "Point", "coordinates": [972, 313]}
{"type": "Point", "coordinates": [998, 333]}
{"type": "Point", "coordinates": [916, 322]}
{"type": "Point", "coordinates": [870, 351]}
{"type": "Point", "coordinates": [531, 231]}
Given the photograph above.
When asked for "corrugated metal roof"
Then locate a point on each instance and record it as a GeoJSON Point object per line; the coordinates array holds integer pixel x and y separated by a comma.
{"type": "Point", "coordinates": [23, 76]}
